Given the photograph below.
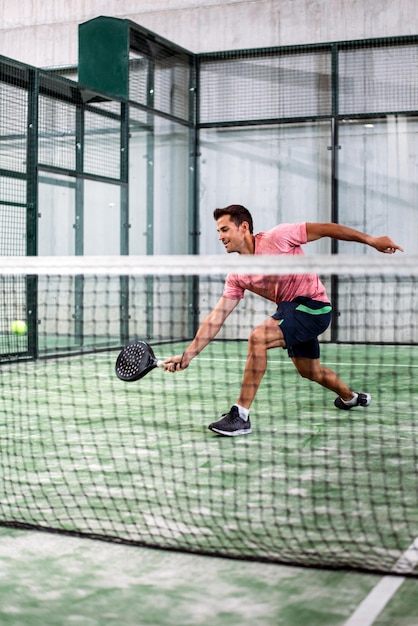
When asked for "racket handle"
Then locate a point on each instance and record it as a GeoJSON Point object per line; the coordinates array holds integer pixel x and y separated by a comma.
{"type": "Point", "coordinates": [159, 363]}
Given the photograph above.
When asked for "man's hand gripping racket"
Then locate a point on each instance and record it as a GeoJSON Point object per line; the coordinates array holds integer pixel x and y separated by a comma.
{"type": "Point", "coordinates": [137, 359]}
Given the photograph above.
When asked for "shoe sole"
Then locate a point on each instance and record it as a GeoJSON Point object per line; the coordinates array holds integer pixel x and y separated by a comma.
{"type": "Point", "coordinates": [234, 433]}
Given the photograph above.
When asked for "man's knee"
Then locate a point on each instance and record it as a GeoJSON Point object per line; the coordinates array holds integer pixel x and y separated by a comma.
{"type": "Point", "coordinates": [266, 337]}
{"type": "Point", "coordinates": [257, 336]}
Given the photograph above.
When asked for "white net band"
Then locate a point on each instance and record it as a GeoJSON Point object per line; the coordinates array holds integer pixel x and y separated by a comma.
{"type": "Point", "coordinates": [188, 265]}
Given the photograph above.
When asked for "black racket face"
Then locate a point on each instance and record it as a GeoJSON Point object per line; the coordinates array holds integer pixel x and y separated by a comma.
{"type": "Point", "coordinates": [135, 361]}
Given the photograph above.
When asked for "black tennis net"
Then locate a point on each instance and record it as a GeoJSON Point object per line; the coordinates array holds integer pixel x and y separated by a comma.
{"type": "Point", "coordinates": [86, 453]}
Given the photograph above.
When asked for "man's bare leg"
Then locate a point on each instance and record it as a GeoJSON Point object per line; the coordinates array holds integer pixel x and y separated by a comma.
{"type": "Point", "coordinates": [313, 370]}
{"type": "Point", "coordinates": [265, 336]}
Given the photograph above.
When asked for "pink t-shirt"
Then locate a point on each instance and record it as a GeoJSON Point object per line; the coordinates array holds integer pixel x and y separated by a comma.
{"type": "Point", "coordinates": [282, 239]}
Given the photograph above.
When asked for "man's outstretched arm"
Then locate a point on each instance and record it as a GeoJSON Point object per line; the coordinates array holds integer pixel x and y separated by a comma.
{"type": "Point", "coordinates": [383, 244]}
{"type": "Point", "coordinates": [208, 329]}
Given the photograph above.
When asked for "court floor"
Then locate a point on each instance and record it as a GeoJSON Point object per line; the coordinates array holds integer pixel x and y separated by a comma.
{"type": "Point", "coordinates": [83, 451]}
{"type": "Point", "coordinates": [55, 580]}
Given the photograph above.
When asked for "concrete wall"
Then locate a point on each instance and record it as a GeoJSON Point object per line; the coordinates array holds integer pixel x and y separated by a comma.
{"type": "Point", "coordinates": [44, 33]}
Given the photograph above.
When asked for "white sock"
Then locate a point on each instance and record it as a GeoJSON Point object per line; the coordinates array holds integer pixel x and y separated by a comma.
{"type": "Point", "coordinates": [351, 402]}
{"type": "Point", "coordinates": [243, 412]}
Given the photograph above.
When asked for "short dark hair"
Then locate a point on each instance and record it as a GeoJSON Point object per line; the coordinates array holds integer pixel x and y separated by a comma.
{"type": "Point", "coordinates": [237, 213]}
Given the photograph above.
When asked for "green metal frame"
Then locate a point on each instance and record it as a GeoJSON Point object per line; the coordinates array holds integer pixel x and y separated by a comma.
{"type": "Point", "coordinates": [124, 220]}
{"type": "Point", "coordinates": [32, 210]}
{"type": "Point", "coordinates": [150, 156]}
{"type": "Point", "coordinates": [79, 225]}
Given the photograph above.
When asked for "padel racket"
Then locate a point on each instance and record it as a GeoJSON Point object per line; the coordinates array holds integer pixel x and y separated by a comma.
{"type": "Point", "coordinates": [135, 361]}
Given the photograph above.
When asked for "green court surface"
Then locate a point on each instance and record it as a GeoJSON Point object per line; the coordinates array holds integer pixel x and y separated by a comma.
{"type": "Point", "coordinates": [84, 452]}
{"type": "Point", "coordinates": [52, 580]}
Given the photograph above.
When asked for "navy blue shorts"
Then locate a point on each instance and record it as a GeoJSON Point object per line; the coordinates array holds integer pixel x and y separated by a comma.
{"type": "Point", "coordinates": [301, 322]}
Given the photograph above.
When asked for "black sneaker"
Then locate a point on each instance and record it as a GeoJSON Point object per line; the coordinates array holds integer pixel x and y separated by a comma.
{"type": "Point", "coordinates": [363, 399]}
{"type": "Point", "coordinates": [231, 424]}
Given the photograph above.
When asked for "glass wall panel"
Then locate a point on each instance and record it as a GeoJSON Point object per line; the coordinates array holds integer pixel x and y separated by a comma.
{"type": "Point", "coordinates": [378, 189]}
{"type": "Point", "coordinates": [378, 194]}
{"type": "Point", "coordinates": [281, 173]}
{"type": "Point", "coordinates": [171, 187]}
{"type": "Point", "coordinates": [56, 232]}
{"type": "Point", "coordinates": [159, 187]}
{"type": "Point", "coordinates": [102, 218]}
{"type": "Point", "coordinates": [140, 191]}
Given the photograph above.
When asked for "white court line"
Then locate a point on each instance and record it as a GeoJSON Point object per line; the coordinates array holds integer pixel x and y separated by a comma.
{"type": "Point", "coordinates": [373, 604]}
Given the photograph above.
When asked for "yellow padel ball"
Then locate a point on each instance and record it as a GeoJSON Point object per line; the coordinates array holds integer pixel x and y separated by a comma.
{"type": "Point", "coordinates": [19, 327]}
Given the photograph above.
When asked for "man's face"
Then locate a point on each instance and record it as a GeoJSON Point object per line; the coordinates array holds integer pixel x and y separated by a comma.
{"type": "Point", "coordinates": [231, 235]}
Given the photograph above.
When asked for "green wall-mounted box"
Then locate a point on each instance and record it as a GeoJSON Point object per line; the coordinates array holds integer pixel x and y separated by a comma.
{"type": "Point", "coordinates": [103, 55]}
